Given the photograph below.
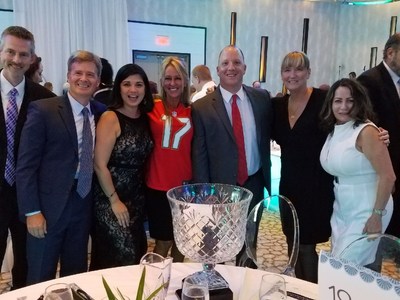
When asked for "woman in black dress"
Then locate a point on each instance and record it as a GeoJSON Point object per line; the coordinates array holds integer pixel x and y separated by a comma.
{"type": "Point", "coordinates": [296, 129]}
{"type": "Point", "coordinates": [123, 143]}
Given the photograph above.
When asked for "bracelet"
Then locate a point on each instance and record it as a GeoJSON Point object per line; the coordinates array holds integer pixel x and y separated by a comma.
{"type": "Point", "coordinates": [112, 194]}
{"type": "Point", "coordinates": [380, 212]}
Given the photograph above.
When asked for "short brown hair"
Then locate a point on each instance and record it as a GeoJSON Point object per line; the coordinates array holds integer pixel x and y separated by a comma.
{"type": "Point", "coordinates": [85, 56]}
{"type": "Point", "coordinates": [18, 32]}
{"type": "Point", "coordinates": [393, 42]}
{"type": "Point", "coordinates": [202, 72]}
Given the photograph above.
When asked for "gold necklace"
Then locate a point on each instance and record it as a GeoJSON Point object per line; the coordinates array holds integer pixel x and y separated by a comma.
{"type": "Point", "coordinates": [293, 114]}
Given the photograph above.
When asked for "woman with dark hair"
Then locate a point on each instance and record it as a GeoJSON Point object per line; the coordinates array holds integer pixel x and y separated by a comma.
{"type": "Point", "coordinates": [35, 70]}
{"type": "Point", "coordinates": [123, 144]}
{"type": "Point", "coordinates": [364, 176]}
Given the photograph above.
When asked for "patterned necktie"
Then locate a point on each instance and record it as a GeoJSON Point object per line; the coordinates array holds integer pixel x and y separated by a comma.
{"type": "Point", "coordinates": [11, 124]}
{"type": "Point", "coordinates": [238, 132]}
{"type": "Point", "coordinates": [86, 158]}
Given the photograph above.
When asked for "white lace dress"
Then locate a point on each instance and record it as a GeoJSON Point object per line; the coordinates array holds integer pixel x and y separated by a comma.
{"type": "Point", "coordinates": [355, 190]}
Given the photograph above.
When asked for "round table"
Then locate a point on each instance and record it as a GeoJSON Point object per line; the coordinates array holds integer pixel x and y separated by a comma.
{"type": "Point", "coordinates": [243, 282]}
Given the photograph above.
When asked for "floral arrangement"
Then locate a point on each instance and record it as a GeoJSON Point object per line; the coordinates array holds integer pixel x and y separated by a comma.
{"type": "Point", "coordinates": [139, 294]}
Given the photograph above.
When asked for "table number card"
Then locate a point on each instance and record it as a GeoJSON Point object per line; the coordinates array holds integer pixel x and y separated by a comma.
{"type": "Point", "coordinates": [339, 279]}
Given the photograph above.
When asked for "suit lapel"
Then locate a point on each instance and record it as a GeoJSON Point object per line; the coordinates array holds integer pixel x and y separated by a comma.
{"type": "Point", "coordinates": [23, 110]}
{"type": "Point", "coordinates": [3, 134]}
{"type": "Point", "coordinates": [390, 87]}
{"type": "Point", "coordinates": [220, 108]}
{"type": "Point", "coordinates": [3, 138]}
{"type": "Point", "coordinates": [66, 114]}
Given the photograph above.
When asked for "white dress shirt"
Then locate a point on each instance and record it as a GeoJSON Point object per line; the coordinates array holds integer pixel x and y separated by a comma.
{"type": "Point", "coordinates": [6, 87]}
{"type": "Point", "coordinates": [203, 91]}
{"type": "Point", "coordinates": [249, 127]}
{"type": "Point", "coordinates": [78, 117]}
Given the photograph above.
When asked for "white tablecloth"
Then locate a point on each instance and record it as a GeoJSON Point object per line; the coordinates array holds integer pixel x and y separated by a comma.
{"type": "Point", "coordinates": [243, 282]}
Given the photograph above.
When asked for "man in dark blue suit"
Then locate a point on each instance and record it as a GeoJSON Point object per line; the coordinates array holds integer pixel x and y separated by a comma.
{"type": "Point", "coordinates": [17, 52]}
{"type": "Point", "coordinates": [50, 171]}
{"type": "Point", "coordinates": [382, 84]}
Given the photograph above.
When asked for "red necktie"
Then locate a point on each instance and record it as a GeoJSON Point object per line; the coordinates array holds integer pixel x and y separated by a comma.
{"type": "Point", "coordinates": [238, 132]}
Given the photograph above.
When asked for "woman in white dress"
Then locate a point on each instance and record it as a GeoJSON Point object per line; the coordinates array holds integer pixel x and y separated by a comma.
{"type": "Point", "coordinates": [359, 161]}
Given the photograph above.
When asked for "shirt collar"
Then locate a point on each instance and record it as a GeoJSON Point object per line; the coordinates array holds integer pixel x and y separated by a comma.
{"type": "Point", "coordinates": [6, 86]}
{"type": "Point", "coordinates": [392, 74]}
{"type": "Point", "coordinates": [76, 106]}
{"type": "Point", "coordinates": [228, 95]}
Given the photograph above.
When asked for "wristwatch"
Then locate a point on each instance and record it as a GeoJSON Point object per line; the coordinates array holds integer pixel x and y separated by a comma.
{"type": "Point", "coordinates": [380, 212]}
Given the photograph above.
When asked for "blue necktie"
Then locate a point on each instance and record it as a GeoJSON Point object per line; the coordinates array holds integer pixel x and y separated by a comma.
{"type": "Point", "coordinates": [11, 124]}
{"type": "Point", "coordinates": [86, 158]}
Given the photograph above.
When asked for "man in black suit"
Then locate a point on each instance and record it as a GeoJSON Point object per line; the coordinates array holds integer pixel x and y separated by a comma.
{"type": "Point", "coordinates": [382, 83]}
{"type": "Point", "coordinates": [54, 172]}
{"type": "Point", "coordinates": [17, 52]}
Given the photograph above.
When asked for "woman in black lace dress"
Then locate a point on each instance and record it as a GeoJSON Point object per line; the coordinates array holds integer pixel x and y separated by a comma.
{"type": "Point", "coordinates": [123, 143]}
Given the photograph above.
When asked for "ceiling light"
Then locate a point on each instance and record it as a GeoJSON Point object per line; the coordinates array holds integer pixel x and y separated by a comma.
{"type": "Point", "coordinates": [364, 2]}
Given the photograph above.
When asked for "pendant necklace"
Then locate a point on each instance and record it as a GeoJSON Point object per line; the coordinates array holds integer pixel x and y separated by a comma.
{"type": "Point", "coordinates": [292, 114]}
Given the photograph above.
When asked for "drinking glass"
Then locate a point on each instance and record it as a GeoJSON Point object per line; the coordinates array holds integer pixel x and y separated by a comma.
{"type": "Point", "coordinates": [58, 291]}
{"type": "Point", "coordinates": [272, 287]}
{"type": "Point", "coordinates": [209, 222]}
{"type": "Point", "coordinates": [195, 288]}
{"type": "Point", "coordinates": [158, 272]}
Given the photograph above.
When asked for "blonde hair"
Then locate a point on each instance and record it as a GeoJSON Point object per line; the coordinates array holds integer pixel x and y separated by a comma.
{"type": "Point", "coordinates": [180, 67]}
{"type": "Point", "coordinates": [295, 59]}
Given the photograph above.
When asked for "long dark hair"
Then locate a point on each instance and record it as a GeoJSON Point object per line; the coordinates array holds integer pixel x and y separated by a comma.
{"type": "Point", "coordinates": [147, 103]}
{"type": "Point", "coordinates": [361, 112]}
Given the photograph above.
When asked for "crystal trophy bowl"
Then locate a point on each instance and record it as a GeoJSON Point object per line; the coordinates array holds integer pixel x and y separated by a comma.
{"type": "Point", "coordinates": [209, 222]}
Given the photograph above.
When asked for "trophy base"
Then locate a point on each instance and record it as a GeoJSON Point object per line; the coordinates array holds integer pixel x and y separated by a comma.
{"type": "Point", "coordinates": [220, 294]}
{"type": "Point", "coordinates": [218, 287]}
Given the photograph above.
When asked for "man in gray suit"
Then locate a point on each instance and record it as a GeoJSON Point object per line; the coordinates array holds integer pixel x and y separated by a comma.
{"type": "Point", "coordinates": [54, 173]}
{"type": "Point", "coordinates": [215, 152]}
{"type": "Point", "coordinates": [219, 153]}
